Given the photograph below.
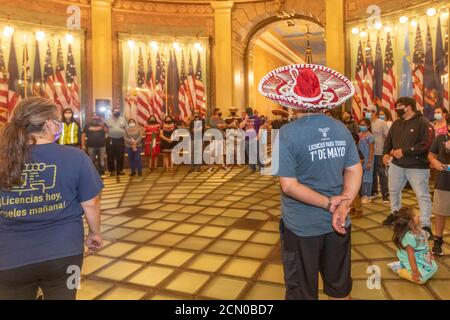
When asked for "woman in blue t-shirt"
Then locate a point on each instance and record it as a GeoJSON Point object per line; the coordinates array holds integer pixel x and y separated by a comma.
{"type": "Point", "coordinates": [45, 189]}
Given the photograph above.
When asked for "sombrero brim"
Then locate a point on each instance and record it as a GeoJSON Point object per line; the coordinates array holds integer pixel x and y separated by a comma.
{"type": "Point", "coordinates": [277, 85]}
{"type": "Point", "coordinates": [280, 112]}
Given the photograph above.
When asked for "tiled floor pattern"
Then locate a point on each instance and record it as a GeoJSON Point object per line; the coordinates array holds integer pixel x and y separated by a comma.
{"type": "Point", "coordinates": [214, 236]}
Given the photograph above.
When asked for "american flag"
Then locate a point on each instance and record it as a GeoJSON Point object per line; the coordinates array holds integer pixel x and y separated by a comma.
{"type": "Point", "coordinates": [130, 99]}
{"type": "Point", "coordinates": [359, 99]}
{"type": "Point", "coordinates": [441, 58]}
{"type": "Point", "coordinates": [418, 69]}
{"type": "Point", "coordinates": [3, 89]}
{"type": "Point", "coordinates": [26, 73]}
{"type": "Point", "coordinates": [445, 82]}
{"type": "Point", "coordinates": [38, 86]}
{"type": "Point", "coordinates": [143, 97]}
{"type": "Point", "coordinates": [160, 85]}
{"type": "Point", "coordinates": [368, 84]}
{"type": "Point", "coordinates": [13, 80]}
{"type": "Point", "coordinates": [199, 88]}
{"type": "Point", "coordinates": [389, 82]}
{"type": "Point", "coordinates": [62, 94]}
{"type": "Point", "coordinates": [191, 84]}
{"type": "Point", "coordinates": [150, 84]}
{"type": "Point", "coordinates": [72, 82]}
{"type": "Point", "coordinates": [49, 76]}
{"type": "Point", "coordinates": [183, 97]}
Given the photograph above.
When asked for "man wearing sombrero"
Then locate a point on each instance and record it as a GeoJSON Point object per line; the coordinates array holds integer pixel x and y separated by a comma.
{"type": "Point", "coordinates": [320, 174]}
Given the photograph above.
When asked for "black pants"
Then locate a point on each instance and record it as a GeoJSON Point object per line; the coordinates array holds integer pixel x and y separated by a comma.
{"type": "Point", "coordinates": [304, 257]}
{"type": "Point", "coordinates": [379, 171]}
{"type": "Point", "coordinates": [51, 276]}
{"type": "Point", "coordinates": [115, 151]}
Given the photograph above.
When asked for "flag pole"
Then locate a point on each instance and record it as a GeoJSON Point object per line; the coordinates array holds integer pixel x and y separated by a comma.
{"type": "Point", "coordinates": [165, 80]}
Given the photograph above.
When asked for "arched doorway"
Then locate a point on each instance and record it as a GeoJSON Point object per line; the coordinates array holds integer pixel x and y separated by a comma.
{"type": "Point", "coordinates": [284, 41]}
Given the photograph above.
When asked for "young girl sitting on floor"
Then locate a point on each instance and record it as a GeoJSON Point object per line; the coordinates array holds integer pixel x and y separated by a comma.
{"type": "Point", "coordinates": [416, 261]}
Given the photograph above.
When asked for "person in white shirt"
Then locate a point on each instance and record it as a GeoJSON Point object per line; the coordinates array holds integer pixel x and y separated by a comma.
{"type": "Point", "coordinates": [380, 131]}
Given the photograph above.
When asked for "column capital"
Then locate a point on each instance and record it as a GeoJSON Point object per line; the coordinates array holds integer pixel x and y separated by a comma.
{"type": "Point", "coordinates": [104, 3]}
{"type": "Point", "coordinates": [222, 6]}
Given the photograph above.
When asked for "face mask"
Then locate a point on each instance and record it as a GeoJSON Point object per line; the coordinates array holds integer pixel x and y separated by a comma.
{"type": "Point", "coordinates": [95, 122]}
{"type": "Point", "coordinates": [400, 112]}
{"type": "Point", "coordinates": [382, 117]}
{"type": "Point", "coordinates": [233, 113]}
{"type": "Point", "coordinates": [219, 114]}
{"type": "Point", "coordinates": [438, 116]}
{"type": "Point", "coordinates": [58, 132]}
{"type": "Point", "coordinates": [116, 114]}
{"type": "Point", "coordinates": [368, 115]}
{"type": "Point", "coordinates": [363, 128]}
{"type": "Point", "coordinates": [132, 125]}
{"type": "Point", "coordinates": [152, 120]}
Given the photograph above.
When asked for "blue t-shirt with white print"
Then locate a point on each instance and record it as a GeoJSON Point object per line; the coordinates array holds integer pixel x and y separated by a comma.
{"type": "Point", "coordinates": [41, 220]}
{"type": "Point", "coordinates": [315, 149]}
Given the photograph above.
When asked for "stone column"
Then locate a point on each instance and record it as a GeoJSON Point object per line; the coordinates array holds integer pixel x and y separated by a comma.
{"type": "Point", "coordinates": [222, 54]}
{"type": "Point", "coordinates": [335, 34]}
{"type": "Point", "coordinates": [101, 49]}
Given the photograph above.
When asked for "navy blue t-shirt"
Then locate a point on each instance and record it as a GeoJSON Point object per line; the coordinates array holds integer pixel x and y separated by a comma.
{"type": "Point", "coordinates": [314, 149]}
{"type": "Point", "coordinates": [41, 220]}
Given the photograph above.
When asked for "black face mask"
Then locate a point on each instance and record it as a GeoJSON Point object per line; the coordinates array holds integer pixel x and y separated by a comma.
{"type": "Point", "coordinates": [116, 114]}
{"type": "Point", "coordinates": [152, 121]}
{"type": "Point", "coordinates": [168, 121]}
{"type": "Point", "coordinates": [233, 113]}
{"type": "Point", "coordinates": [400, 112]}
{"type": "Point", "coordinates": [219, 114]}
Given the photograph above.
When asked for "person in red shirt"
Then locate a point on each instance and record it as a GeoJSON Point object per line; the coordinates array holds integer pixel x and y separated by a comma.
{"type": "Point", "coordinates": [152, 142]}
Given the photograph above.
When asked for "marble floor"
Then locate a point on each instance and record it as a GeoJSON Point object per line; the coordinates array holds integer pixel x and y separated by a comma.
{"type": "Point", "coordinates": [213, 235]}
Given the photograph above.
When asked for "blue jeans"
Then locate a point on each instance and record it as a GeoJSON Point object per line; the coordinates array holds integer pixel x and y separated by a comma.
{"type": "Point", "coordinates": [134, 157]}
{"type": "Point", "coordinates": [366, 189]}
{"type": "Point", "coordinates": [419, 181]}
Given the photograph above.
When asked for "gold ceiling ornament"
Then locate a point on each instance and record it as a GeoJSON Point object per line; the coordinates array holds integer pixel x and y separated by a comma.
{"type": "Point", "coordinates": [167, 8]}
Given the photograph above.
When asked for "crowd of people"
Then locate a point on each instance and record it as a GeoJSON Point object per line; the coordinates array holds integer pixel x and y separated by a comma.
{"type": "Point", "coordinates": [410, 152]}
{"type": "Point", "coordinates": [107, 141]}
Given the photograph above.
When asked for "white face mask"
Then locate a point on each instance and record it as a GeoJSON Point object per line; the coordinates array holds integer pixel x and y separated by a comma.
{"type": "Point", "coordinates": [132, 125]}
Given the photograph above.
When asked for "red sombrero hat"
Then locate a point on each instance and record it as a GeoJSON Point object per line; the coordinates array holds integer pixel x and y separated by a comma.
{"type": "Point", "coordinates": [306, 87]}
{"type": "Point", "coordinates": [280, 112]}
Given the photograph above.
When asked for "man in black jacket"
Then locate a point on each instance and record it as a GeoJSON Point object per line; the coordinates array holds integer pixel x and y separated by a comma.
{"type": "Point", "coordinates": [407, 145]}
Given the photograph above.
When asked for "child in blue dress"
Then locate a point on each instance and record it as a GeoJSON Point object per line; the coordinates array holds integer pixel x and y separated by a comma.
{"type": "Point", "coordinates": [416, 261]}
{"type": "Point", "coordinates": [366, 145]}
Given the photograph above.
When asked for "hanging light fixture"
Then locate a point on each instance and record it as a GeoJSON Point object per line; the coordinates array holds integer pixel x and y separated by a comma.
{"type": "Point", "coordinates": [8, 31]}
{"type": "Point", "coordinates": [154, 45]}
{"type": "Point", "coordinates": [363, 34]}
{"type": "Point", "coordinates": [131, 44]}
{"type": "Point", "coordinates": [431, 12]}
{"type": "Point", "coordinates": [414, 23]}
{"type": "Point", "coordinates": [69, 38]}
{"type": "Point", "coordinates": [40, 35]}
{"type": "Point", "coordinates": [355, 30]}
{"type": "Point", "coordinates": [176, 45]}
{"type": "Point", "coordinates": [198, 46]}
{"type": "Point", "coordinates": [403, 19]}
{"type": "Point", "coordinates": [378, 25]}
{"type": "Point", "coordinates": [387, 29]}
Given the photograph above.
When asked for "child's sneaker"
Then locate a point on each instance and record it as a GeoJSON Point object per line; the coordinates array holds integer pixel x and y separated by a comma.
{"type": "Point", "coordinates": [366, 199]}
{"type": "Point", "coordinates": [437, 246]}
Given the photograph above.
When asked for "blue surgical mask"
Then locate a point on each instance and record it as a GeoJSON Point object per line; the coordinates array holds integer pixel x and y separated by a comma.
{"type": "Point", "coordinates": [382, 117]}
{"type": "Point", "coordinates": [368, 115]}
{"type": "Point", "coordinates": [438, 116]}
{"type": "Point", "coordinates": [363, 128]}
